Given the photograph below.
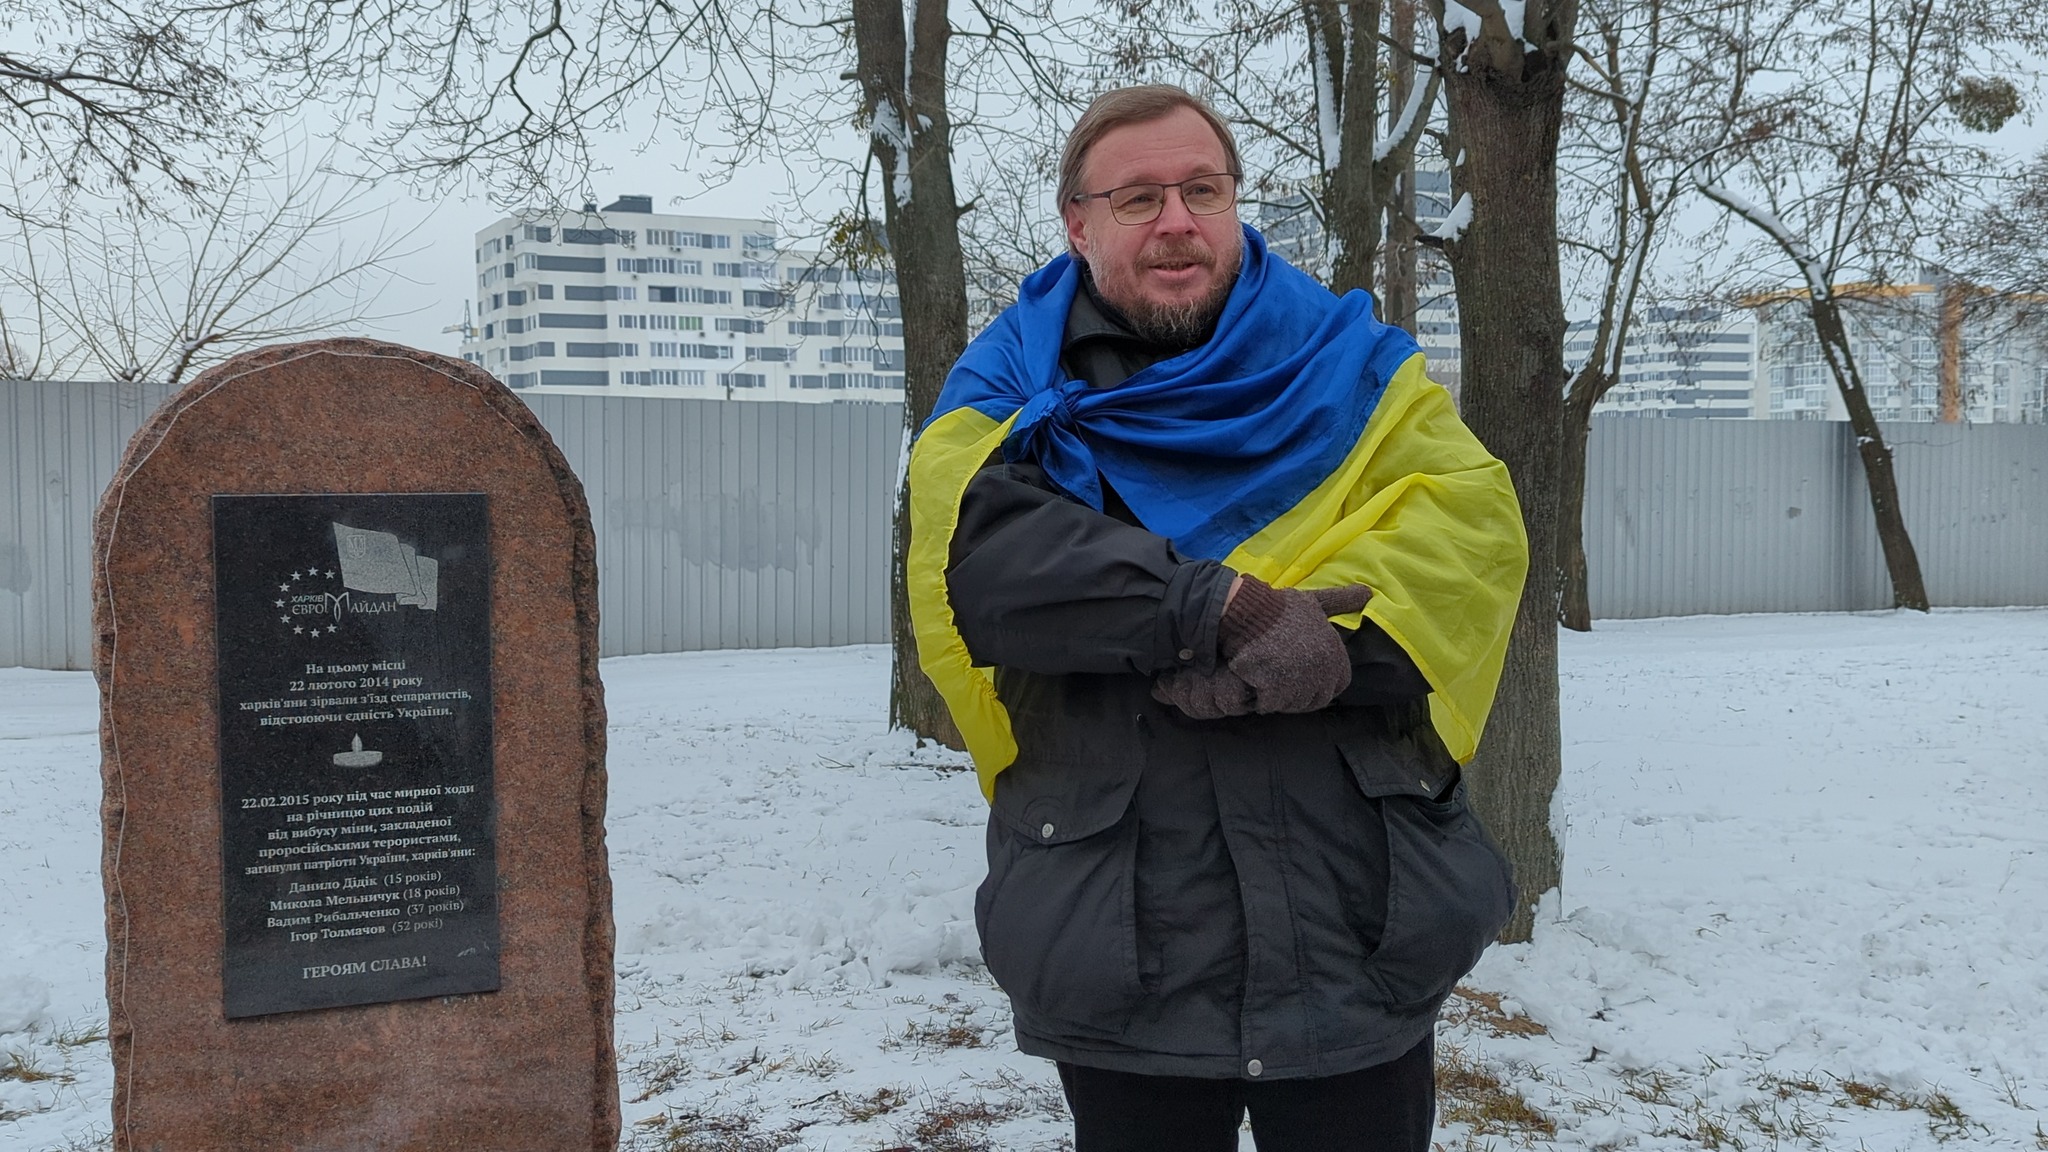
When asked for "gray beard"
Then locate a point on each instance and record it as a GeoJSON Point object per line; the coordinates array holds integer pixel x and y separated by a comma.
{"type": "Point", "coordinates": [1181, 325]}
{"type": "Point", "coordinates": [1176, 325]}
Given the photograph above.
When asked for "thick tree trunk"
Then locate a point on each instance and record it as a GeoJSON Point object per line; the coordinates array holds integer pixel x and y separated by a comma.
{"type": "Point", "coordinates": [1347, 35]}
{"type": "Point", "coordinates": [1402, 298]}
{"type": "Point", "coordinates": [1508, 109]}
{"type": "Point", "coordinates": [1900, 559]}
{"type": "Point", "coordinates": [1574, 606]}
{"type": "Point", "coordinates": [905, 100]}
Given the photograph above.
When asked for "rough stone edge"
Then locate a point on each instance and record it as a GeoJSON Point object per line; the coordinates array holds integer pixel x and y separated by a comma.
{"type": "Point", "coordinates": [599, 931]}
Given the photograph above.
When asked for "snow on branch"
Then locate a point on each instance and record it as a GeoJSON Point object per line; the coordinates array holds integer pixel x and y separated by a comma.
{"type": "Point", "coordinates": [1457, 220]}
{"type": "Point", "coordinates": [1810, 266]}
{"type": "Point", "coordinates": [1328, 127]}
{"type": "Point", "coordinates": [1384, 146]}
{"type": "Point", "coordinates": [890, 129]}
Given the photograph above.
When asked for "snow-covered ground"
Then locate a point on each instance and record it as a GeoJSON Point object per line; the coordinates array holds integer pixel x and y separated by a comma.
{"type": "Point", "coordinates": [1805, 905]}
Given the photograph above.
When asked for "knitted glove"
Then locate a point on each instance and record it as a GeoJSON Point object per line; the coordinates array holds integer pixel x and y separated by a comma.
{"type": "Point", "coordinates": [1341, 601]}
{"type": "Point", "coordinates": [1204, 695]}
{"type": "Point", "coordinates": [1281, 643]}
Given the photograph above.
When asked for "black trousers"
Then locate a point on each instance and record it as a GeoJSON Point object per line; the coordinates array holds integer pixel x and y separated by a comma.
{"type": "Point", "coordinates": [1389, 1107]}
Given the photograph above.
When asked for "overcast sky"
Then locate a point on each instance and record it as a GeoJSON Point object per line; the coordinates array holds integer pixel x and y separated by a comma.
{"type": "Point", "coordinates": [436, 279]}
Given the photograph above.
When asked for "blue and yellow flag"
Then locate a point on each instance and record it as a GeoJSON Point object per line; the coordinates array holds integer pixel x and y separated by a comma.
{"type": "Point", "coordinates": [1303, 445]}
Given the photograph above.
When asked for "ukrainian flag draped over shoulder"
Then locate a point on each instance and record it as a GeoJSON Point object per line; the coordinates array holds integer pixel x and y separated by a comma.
{"type": "Point", "coordinates": [1304, 445]}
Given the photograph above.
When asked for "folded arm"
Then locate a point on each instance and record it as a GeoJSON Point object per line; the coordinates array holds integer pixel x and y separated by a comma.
{"type": "Point", "coordinates": [1042, 583]}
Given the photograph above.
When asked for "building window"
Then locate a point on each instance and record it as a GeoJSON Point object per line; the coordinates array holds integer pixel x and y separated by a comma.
{"type": "Point", "coordinates": [545, 291]}
{"type": "Point", "coordinates": [544, 263]}
{"type": "Point", "coordinates": [676, 239]}
{"type": "Point", "coordinates": [515, 298]}
{"type": "Point", "coordinates": [742, 380]}
{"type": "Point", "coordinates": [572, 320]}
{"type": "Point", "coordinates": [658, 265]}
{"type": "Point", "coordinates": [597, 235]}
{"type": "Point", "coordinates": [771, 354]}
{"type": "Point", "coordinates": [668, 377]}
{"type": "Point", "coordinates": [606, 351]}
{"type": "Point", "coordinates": [736, 324]}
{"type": "Point", "coordinates": [522, 379]}
{"type": "Point", "coordinates": [662, 350]}
{"type": "Point", "coordinates": [862, 380]}
{"type": "Point", "coordinates": [577, 377]}
{"type": "Point", "coordinates": [756, 298]}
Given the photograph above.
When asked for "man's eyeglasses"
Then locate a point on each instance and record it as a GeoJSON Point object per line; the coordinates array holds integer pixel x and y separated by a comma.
{"type": "Point", "coordinates": [1142, 203]}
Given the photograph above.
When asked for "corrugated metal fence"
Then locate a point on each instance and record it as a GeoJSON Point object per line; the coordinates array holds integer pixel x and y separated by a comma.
{"type": "Point", "coordinates": [734, 524]}
{"type": "Point", "coordinates": [720, 524]}
{"type": "Point", "coordinates": [59, 446]}
{"type": "Point", "coordinates": [746, 524]}
{"type": "Point", "coordinates": [1685, 517]}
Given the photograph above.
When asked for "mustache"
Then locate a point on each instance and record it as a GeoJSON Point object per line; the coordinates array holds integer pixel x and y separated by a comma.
{"type": "Point", "coordinates": [1180, 253]}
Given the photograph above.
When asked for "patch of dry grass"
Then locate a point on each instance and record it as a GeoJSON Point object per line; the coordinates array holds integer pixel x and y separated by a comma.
{"type": "Point", "coordinates": [23, 1067]}
{"type": "Point", "coordinates": [695, 1131]}
{"type": "Point", "coordinates": [954, 1024]}
{"type": "Point", "coordinates": [950, 1124]}
{"type": "Point", "coordinates": [1470, 1094]}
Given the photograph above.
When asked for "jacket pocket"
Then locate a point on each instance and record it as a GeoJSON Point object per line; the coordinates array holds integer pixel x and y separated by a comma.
{"type": "Point", "coordinates": [1449, 888]}
{"type": "Point", "coordinates": [1057, 913]}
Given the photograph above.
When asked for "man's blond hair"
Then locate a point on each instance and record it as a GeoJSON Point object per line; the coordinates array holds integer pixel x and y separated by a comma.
{"type": "Point", "coordinates": [1135, 105]}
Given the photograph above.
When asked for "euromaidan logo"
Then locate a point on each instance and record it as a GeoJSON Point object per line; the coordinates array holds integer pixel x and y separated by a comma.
{"type": "Point", "coordinates": [377, 574]}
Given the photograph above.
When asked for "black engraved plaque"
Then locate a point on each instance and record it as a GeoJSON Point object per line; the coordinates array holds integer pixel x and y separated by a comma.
{"type": "Point", "coordinates": [358, 838]}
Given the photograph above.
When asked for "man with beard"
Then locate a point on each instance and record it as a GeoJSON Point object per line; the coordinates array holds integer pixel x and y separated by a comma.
{"type": "Point", "coordinates": [1217, 589]}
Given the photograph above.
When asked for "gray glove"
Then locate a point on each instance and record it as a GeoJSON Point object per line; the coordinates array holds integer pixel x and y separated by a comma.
{"type": "Point", "coordinates": [1280, 642]}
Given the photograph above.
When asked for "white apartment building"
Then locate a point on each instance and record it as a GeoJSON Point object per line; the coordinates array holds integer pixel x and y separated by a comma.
{"type": "Point", "coordinates": [1295, 232]}
{"type": "Point", "coordinates": [626, 299]}
{"type": "Point", "coordinates": [1999, 363]}
{"type": "Point", "coordinates": [1679, 364]}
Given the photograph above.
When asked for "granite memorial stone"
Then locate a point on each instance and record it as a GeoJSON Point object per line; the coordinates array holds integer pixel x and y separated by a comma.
{"type": "Point", "coordinates": [353, 752]}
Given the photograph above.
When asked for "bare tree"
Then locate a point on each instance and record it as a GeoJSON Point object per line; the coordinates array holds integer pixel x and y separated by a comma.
{"type": "Point", "coordinates": [2002, 247]}
{"type": "Point", "coordinates": [129, 294]}
{"type": "Point", "coordinates": [1654, 76]}
{"type": "Point", "coordinates": [902, 70]}
{"type": "Point", "coordinates": [1505, 80]}
{"type": "Point", "coordinates": [1301, 82]}
{"type": "Point", "coordinates": [133, 99]}
{"type": "Point", "coordinates": [777, 81]}
{"type": "Point", "coordinates": [1401, 284]}
{"type": "Point", "coordinates": [1855, 176]}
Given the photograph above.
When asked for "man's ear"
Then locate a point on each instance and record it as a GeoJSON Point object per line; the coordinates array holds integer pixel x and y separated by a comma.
{"type": "Point", "coordinates": [1076, 219]}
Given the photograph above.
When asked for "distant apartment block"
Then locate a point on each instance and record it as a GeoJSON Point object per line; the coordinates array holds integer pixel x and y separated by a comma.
{"type": "Point", "coordinates": [626, 299]}
{"type": "Point", "coordinates": [1679, 364]}
{"type": "Point", "coordinates": [1907, 340]}
{"type": "Point", "coordinates": [1295, 232]}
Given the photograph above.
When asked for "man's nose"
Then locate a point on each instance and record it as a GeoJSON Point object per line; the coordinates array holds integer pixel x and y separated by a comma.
{"type": "Point", "coordinates": [1173, 213]}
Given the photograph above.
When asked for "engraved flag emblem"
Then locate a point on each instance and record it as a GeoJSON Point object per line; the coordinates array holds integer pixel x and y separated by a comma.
{"type": "Point", "coordinates": [378, 562]}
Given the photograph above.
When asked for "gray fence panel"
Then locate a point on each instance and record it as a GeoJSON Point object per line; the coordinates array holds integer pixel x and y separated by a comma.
{"type": "Point", "coordinates": [732, 524]}
{"type": "Point", "coordinates": [59, 446]}
{"type": "Point", "coordinates": [1715, 516]}
{"type": "Point", "coordinates": [726, 524]}
{"type": "Point", "coordinates": [1976, 500]}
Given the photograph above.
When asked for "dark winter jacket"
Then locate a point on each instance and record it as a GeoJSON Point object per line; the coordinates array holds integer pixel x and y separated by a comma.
{"type": "Point", "coordinates": [1265, 896]}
